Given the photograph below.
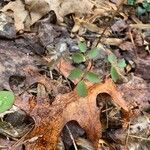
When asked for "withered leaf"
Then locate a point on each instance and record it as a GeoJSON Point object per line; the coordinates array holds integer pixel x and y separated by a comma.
{"type": "Point", "coordinates": [50, 119]}
{"type": "Point", "coordinates": [14, 61]}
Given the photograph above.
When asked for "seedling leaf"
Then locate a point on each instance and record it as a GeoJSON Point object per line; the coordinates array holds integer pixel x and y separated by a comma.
{"type": "Point", "coordinates": [81, 89]}
{"type": "Point", "coordinates": [78, 58]}
{"type": "Point", "coordinates": [93, 53]}
{"type": "Point", "coordinates": [6, 100]}
{"type": "Point", "coordinates": [92, 77]}
{"type": "Point", "coordinates": [74, 74]}
{"type": "Point", "coordinates": [82, 46]}
{"type": "Point", "coordinates": [140, 10]}
{"type": "Point", "coordinates": [131, 2]}
{"type": "Point", "coordinates": [114, 74]}
{"type": "Point", "coordinates": [121, 63]}
{"type": "Point", "coordinates": [112, 58]}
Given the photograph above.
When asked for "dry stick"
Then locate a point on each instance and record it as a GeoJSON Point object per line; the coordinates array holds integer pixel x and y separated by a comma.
{"type": "Point", "coordinates": [110, 21]}
{"type": "Point", "coordinates": [72, 138]}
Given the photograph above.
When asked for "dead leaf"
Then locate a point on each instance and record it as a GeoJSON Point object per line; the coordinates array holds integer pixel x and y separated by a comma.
{"type": "Point", "coordinates": [142, 68]}
{"type": "Point", "coordinates": [19, 11]}
{"type": "Point", "coordinates": [29, 12]}
{"type": "Point", "coordinates": [137, 93]}
{"type": "Point", "coordinates": [14, 61]}
{"type": "Point", "coordinates": [50, 119]}
{"type": "Point", "coordinates": [126, 46]}
{"type": "Point", "coordinates": [119, 26]}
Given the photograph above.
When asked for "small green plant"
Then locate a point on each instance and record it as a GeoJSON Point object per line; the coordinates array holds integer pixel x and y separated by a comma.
{"type": "Point", "coordinates": [142, 8]}
{"type": "Point", "coordinates": [6, 100]}
{"type": "Point", "coordinates": [117, 67]}
{"type": "Point", "coordinates": [80, 57]}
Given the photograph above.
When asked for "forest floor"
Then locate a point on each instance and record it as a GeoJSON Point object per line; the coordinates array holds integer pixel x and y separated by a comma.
{"type": "Point", "coordinates": [79, 72]}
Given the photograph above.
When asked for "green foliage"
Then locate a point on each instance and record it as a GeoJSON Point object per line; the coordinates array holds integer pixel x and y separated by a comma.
{"type": "Point", "coordinates": [121, 63]}
{"type": "Point", "coordinates": [112, 58]}
{"type": "Point", "coordinates": [114, 74]}
{"type": "Point", "coordinates": [81, 89]}
{"type": "Point", "coordinates": [92, 77]}
{"type": "Point", "coordinates": [131, 2]}
{"type": "Point", "coordinates": [74, 74]}
{"type": "Point", "coordinates": [78, 58]}
{"type": "Point", "coordinates": [82, 46]}
{"type": "Point", "coordinates": [141, 8]}
{"type": "Point", "coordinates": [117, 66]}
{"type": "Point", "coordinates": [140, 11]}
{"type": "Point", "coordinates": [93, 53]}
{"type": "Point", "coordinates": [6, 100]}
{"type": "Point", "coordinates": [84, 55]}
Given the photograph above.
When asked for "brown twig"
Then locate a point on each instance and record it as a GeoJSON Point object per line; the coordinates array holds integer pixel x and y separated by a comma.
{"type": "Point", "coordinates": [110, 21]}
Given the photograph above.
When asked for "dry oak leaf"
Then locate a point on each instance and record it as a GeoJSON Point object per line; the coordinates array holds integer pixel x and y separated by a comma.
{"type": "Point", "coordinates": [50, 119]}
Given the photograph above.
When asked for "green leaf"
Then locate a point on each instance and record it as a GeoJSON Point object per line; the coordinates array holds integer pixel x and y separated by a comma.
{"type": "Point", "coordinates": [81, 89]}
{"type": "Point", "coordinates": [145, 4]}
{"type": "Point", "coordinates": [6, 100]}
{"type": "Point", "coordinates": [93, 53]}
{"type": "Point", "coordinates": [78, 58]}
{"type": "Point", "coordinates": [92, 77]}
{"type": "Point", "coordinates": [82, 46]}
{"type": "Point", "coordinates": [74, 74]}
{"type": "Point", "coordinates": [148, 8]}
{"type": "Point", "coordinates": [131, 2]}
{"type": "Point", "coordinates": [112, 58]}
{"type": "Point", "coordinates": [140, 11]}
{"type": "Point", "coordinates": [121, 63]}
{"type": "Point", "coordinates": [114, 74]}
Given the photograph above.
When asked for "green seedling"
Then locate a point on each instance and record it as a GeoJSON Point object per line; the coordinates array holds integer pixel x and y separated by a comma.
{"type": "Point", "coordinates": [141, 8]}
{"type": "Point", "coordinates": [117, 67]}
{"type": "Point", "coordinates": [81, 57]}
{"type": "Point", "coordinates": [6, 100]}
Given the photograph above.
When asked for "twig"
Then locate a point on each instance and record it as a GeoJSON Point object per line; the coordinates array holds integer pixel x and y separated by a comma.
{"type": "Point", "coordinates": [110, 21]}
{"type": "Point", "coordinates": [72, 138]}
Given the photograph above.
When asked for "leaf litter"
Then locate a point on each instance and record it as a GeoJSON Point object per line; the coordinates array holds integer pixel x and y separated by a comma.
{"type": "Point", "coordinates": [48, 99]}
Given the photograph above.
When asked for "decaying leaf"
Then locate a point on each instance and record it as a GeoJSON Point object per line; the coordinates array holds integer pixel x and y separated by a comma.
{"type": "Point", "coordinates": [13, 62]}
{"type": "Point", "coordinates": [19, 11]}
{"type": "Point", "coordinates": [139, 90]}
{"type": "Point", "coordinates": [31, 11]}
{"type": "Point", "coordinates": [50, 119]}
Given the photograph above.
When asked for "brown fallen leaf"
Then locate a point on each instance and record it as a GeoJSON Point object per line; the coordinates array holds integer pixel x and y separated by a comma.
{"type": "Point", "coordinates": [50, 119]}
{"type": "Point", "coordinates": [29, 12]}
{"type": "Point", "coordinates": [13, 62]}
{"type": "Point", "coordinates": [137, 93]}
{"type": "Point", "coordinates": [19, 13]}
{"type": "Point", "coordinates": [126, 46]}
{"type": "Point", "coordinates": [119, 26]}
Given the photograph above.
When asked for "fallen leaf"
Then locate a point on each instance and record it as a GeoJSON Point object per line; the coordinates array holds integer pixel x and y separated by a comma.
{"type": "Point", "coordinates": [14, 61]}
{"type": "Point", "coordinates": [119, 26]}
{"type": "Point", "coordinates": [137, 93]}
{"type": "Point", "coordinates": [19, 11]}
{"type": "Point", "coordinates": [126, 46]}
{"type": "Point", "coordinates": [50, 119]}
